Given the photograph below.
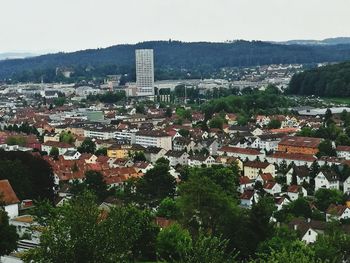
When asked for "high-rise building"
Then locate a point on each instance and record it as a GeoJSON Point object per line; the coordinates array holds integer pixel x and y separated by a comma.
{"type": "Point", "coordinates": [144, 72]}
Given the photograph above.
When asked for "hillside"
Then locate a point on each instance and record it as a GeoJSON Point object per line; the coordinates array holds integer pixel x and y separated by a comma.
{"type": "Point", "coordinates": [327, 41]}
{"type": "Point", "coordinates": [172, 59]}
{"type": "Point", "coordinates": [331, 80]}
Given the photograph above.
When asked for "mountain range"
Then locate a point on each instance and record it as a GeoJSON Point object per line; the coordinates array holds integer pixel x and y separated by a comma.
{"type": "Point", "coordinates": [176, 56]}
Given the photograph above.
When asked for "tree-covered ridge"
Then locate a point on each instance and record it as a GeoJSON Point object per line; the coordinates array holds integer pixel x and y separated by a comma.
{"type": "Point", "coordinates": [331, 80]}
{"type": "Point", "coordinates": [172, 59]}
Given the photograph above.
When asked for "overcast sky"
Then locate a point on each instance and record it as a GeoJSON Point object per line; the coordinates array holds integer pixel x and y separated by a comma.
{"type": "Point", "coordinates": [67, 25]}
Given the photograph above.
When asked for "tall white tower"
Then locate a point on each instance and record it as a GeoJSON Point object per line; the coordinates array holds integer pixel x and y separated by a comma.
{"type": "Point", "coordinates": [144, 72]}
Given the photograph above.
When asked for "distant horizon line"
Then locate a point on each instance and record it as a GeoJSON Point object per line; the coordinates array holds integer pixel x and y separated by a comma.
{"type": "Point", "coordinates": [54, 51]}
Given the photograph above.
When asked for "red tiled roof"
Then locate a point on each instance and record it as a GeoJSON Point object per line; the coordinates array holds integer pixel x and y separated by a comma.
{"type": "Point", "coordinates": [269, 185]}
{"type": "Point", "coordinates": [341, 148]}
{"type": "Point", "coordinates": [267, 177]}
{"type": "Point", "coordinates": [57, 144]}
{"type": "Point", "coordinates": [293, 189]}
{"type": "Point", "coordinates": [247, 195]}
{"type": "Point", "coordinates": [7, 195]}
{"type": "Point", "coordinates": [244, 180]}
{"type": "Point", "coordinates": [297, 141]}
{"type": "Point", "coordinates": [337, 210]}
{"type": "Point", "coordinates": [256, 164]}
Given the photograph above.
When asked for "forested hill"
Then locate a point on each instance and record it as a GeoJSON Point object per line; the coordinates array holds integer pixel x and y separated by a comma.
{"type": "Point", "coordinates": [331, 80]}
{"type": "Point", "coordinates": [202, 57]}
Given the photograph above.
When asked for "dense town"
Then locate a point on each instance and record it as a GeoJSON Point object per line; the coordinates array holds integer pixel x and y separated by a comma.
{"type": "Point", "coordinates": [297, 157]}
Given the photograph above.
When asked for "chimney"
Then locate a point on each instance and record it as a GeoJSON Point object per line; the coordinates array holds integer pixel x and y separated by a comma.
{"type": "Point", "coordinates": [295, 227]}
{"type": "Point", "coordinates": [309, 220]}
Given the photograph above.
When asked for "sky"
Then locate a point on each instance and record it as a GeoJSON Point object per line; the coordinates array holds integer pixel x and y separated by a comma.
{"type": "Point", "coordinates": [68, 25]}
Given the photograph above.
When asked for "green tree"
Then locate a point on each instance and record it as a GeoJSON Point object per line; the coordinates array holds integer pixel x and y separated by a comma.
{"type": "Point", "coordinates": [204, 204]}
{"type": "Point", "coordinates": [95, 183]}
{"type": "Point", "coordinates": [325, 148]}
{"type": "Point", "coordinates": [54, 152]}
{"type": "Point", "coordinates": [274, 124]}
{"type": "Point", "coordinates": [282, 238]}
{"type": "Point", "coordinates": [87, 146]}
{"type": "Point", "coordinates": [216, 122]}
{"type": "Point", "coordinates": [173, 242]}
{"type": "Point", "coordinates": [295, 252]}
{"type": "Point", "coordinates": [325, 197]}
{"type": "Point", "coordinates": [168, 112]}
{"type": "Point", "coordinates": [101, 151]}
{"type": "Point", "coordinates": [139, 157]}
{"type": "Point", "coordinates": [184, 133]}
{"type": "Point", "coordinates": [208, 249]}
{"type": "Point", "coordinates": [156, 185]}
{"type": "Point", "coordinates": [81, 233]}
{"type": "Point", "coordinates": [66, 137]}
{"type": "Point", "coordinates": [168, 208]}
{"type": "Point", "coordinates": [8, 234]}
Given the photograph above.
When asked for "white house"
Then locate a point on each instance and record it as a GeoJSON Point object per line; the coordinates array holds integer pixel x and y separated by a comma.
{"type": "Point", "coordinates": [343, 152]}
{"type": "Point", "coordinates": [296, 191]}
{"type": "Point", "coordinates": [244, 184]}
{"type": "Point", "coordinates": [248, 198]}
{"type": "Point", "coordinates": [243, 154]}
{"type": "Point", "coordinates": [337, 212]}
{"type": "Point", "coordinates": [346, 185]}
{"type": "Point", "coordinates": [61, 146]}
{"type": "Point", "coordinates": [327, 179]}
{"type": "Point", "coordinates": [177, 158]}
{"type": "Point", "coordinates": [302, 174]}
{"type": "Point", "coordinates": [9, 199]}
{"type": "Point", "coordinates": [272, 188]}
{"type": "Point", "coordinates": [308, 230]}
{"type": "Point", "coordinates": [281, 201]}
{"type": "Point", "coordinates": [199, 160]}
{"type": "Point", "coordinates": [71, 155]}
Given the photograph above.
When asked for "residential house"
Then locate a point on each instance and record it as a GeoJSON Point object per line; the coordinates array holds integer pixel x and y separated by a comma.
{"type": "Point", "coordinates": [245, 183]}
{"type": "Point", "coordinates": [199, 160]}
{"type": "Point", "coordinates": [8, 199]}
{"type": "Point", "coordinates": [343, 152]}
{"type": "Point", "coordinates": [272, 188]}
{"type": "Point", "coordinates": [281, 201]}
{"type": "Point", "coordinates": [327, 179]}
{"type": "Point", "coordinates": [267, 142]}
{"type": "Point", "coordinates": [296, 191]}
{"type": "Point", "coordinates": [337, 212]}
{"type": "Point", "coordinates": [177, 158]}
{"type": "Point", "coordinates": [61, 146]}
{"type": "Point", "coordinates": [226, 161]}
{"type": "Point", "coordinates": [248, 198]}
{"type": "Point", "coordinates": [308, 230]}
{"type": "Point", "coordinates": [264, 178]}
{"type": "Point", "coordinates": [123, 151]}
{"type": "Point", "coordinates": [154, 138]}
{"type": "Point", "coordinates": [346, 186]}
{"type": "Point", "coordinates": [243, 154]}
{"type": "Point", "coordinates": [152, 154]}
{"type": "Point", "coordinates": [253, 168]}
{"type": "Point", "coordinates": [301, 174]}
{"type": "Point", "coordinates": [182, 143]}
{"type": "Point", "coordinates": [71, 155]}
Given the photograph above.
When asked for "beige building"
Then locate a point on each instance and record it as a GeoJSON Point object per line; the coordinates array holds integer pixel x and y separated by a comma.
{"type": "Point", "coordinates": [253, 168]}
{"type": "Point", "coordinates": [154, 139]}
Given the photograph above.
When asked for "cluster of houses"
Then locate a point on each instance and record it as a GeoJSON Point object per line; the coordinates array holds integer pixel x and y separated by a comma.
{"type": "Point", "coordinates": [257, 151]}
